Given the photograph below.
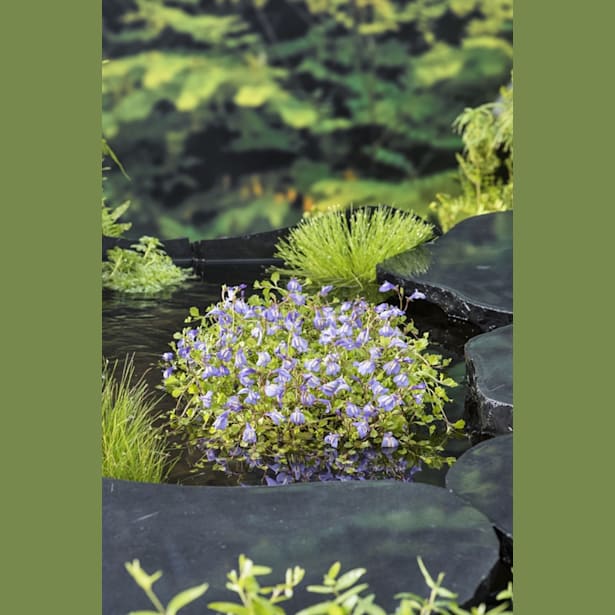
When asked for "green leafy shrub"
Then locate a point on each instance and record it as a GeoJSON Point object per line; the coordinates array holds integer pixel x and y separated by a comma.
{"type": "Point", "coordinates": [486, 167]}
{"type": "Point", "coordinates": [346, 594]}
{"type": "Point", "coordinates": [343, 251]}
{"type": "Point", "coordinates": [300, 388]}
{"type": "Point", "coordinates": [224, 107]}
{"type": "Point", "coordinates": [132, 448]}
{"type": "Point", "coordinates": [147, 269]}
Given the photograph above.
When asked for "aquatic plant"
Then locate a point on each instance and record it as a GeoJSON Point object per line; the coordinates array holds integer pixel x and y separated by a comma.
{"type": "Point", "coordinates": [486, 166]}
{"type": "Point", "coordinates": [132, 448]}
{"type": "Point", "coordinates": [146, 269]}
{"type": "Point", "coordinates": [343, 248]}
{"type": "Point", "coordinates": [302, 387]}
{"type": "Point", "coordinates": [346, 595]}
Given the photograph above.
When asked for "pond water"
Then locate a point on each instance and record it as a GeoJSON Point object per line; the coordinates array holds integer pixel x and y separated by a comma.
{"type": "Point", "coordinates": [144, 327]}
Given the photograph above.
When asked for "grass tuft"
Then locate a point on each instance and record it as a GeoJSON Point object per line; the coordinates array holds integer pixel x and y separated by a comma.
{"type": "Point", "coordinates": [132, 448]}
{"type": "Point", "coordinates": [343, 249]}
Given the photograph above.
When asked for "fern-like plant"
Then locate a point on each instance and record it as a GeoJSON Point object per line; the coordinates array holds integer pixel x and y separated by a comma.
{"type": "Point", "coordinates": [342, 249]}
{"type": "Point", "coordinates": [132, 448]}
{"type": "Point", "coordinates": [147, 269]}
{"type": "Point", "coordinates": [486, 166]}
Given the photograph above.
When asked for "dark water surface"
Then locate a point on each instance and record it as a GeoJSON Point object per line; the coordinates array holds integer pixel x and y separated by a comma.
{"type": "Point", "coordinates": [145, 327]}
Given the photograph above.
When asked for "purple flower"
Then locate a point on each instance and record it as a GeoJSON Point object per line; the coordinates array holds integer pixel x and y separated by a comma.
{"type": "Point", "coordinates": [274, 390]}
{"type": "Point", "coordinates": [362, 338]}
{"type": "Point", "coordinates": [374, 353]}
{"type": "Point", "coordinates": [386, 287]}
{"type": "Point", "coordinates": [297, 417]}
{"type": "Point", "coordinates": [389, 440]}
{"type": "Point", "coordinates": [167, 372]}
{"type": "Point", "coordinates": [369, 410]}
{"type": "Point", "coordinates": [332, 367]}
{"type": "Point", "coordinates": [206, 399]}
{"type": "Point", "coordinates": [299, 343]}
{"type": "Point", "coordinates": [249, 435]}
{"type": "Point", "coordinates": [275, 416]}
{"type": "Point", "coordinates": [312, 365]}
{"type": "Point", "coordinates": [377, 388]}
{"type": "Point", "coordinates": [387, 331]}
{"type": "Point", "coordinates": [417, 295]}
{"type": "Point", "coordinates": [332, 439]}
{"type": "Point", "coordinates": [311, 381]}
{"type": "Point", "coordinates": [283, 375]}
{"type": "Point", "coordinates": [388, 402]}
{"type": "Point", "coordinates": [307, 398]}
{"type": "Point", "coordinates": [325, 290]}
{"type": "Point", "coordinates": [401, 380]}
{"type": "Point", "coordinates": [257, 334]}
{"type": "Point", "coordinates": [225, 354]}
{"type": "Point", "coordinates": [252, 397]}
{"type": "Point", "coordinates": [240, 358]}
{"type": "Point", "coordinates": [221, 421]}
{"type": "Point", "coordinates": [362, 428]}
{"type": "Point", "coordinates": [233, 403]}
{"type": "Point", "coordinates": [183, 351]}
{"type": "Point", "coordinates": [272, 313]}
{"type": "Point", "coordinates": [352, 410]}
{"type": "Point", "coordinates": [167, 356]}
{"type": "Point", "coordinates": [420, 386]}
{"type": "Point", "coordinates": [327, 336]}
{"type": "Point", "coordinates": [293, 286]}
{"type": "Point", "coordinates": [297, 298]}
{"type": "Point", "coordinates": [192, 334]}
{"type": "Point", "coordinates": [391, 367]}
{"type": "Point", "coordinates": [245, 376]}
{"type": "Point", "coordinates": [418, 398]}
{"type": "Point", "coordinates": [334, 387]}
{"type": "Point", "coordinates": [263, 359]}
{"type": "Point", "coordinates": [365, 368]}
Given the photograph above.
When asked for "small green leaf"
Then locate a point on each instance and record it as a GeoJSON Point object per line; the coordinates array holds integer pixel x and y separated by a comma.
{"type": "Point", "coordinates": [349, 578]}
{"type": "Point", "coordinates": [185, 597]}
{"type": "Point", "coordinates": [228, 607]}
{"type": "Point", "coordinates": [194, 311]}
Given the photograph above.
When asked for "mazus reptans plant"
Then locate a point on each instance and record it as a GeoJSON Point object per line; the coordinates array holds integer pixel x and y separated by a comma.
{"type": "Point", "coordinates": [305, 387]}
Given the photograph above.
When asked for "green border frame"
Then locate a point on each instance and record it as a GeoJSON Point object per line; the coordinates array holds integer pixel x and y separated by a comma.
{"type": "Point", "coordinates": [51, 307]}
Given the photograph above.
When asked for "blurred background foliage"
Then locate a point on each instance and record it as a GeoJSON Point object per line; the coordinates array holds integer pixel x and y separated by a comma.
{"type": "Point", "coordinates": [236, 116]}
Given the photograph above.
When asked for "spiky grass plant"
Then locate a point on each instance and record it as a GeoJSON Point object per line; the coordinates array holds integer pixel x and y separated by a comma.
{"type": "Point", "coordinates": [342, 249]}
{"type": "Point", "coordinates": [132, 448]}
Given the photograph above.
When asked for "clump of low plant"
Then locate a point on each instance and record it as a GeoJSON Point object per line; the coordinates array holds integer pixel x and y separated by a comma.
{"type": "Point", "coordinates": [132, 448]}
{"type": "Point", "coordinates": [145, 269]}
{"type": "Point", "coordinates": [301, 387]}
{"type": "Point", "coordinates": [342, 249]}
{"type": "Point", "coordinates": [486, 166]}
{"type": "Point", "coordinates": [346, 595]}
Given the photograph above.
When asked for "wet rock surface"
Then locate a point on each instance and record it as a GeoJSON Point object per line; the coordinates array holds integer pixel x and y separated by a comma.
{"type": "Point", "coordinates": [483, 476]}
{"type": "Point", "coordinates": [195, 534]}
{"type": "Point", "coordinates": [467, 272]}
{"type": "Point", "coordinates": [489, 368]}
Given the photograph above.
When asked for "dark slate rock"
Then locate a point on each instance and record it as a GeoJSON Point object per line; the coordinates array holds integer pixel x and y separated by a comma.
{"type": "Point", "coordinates": [483, 476]}
{"type": "Point", "coordinates": [195, 534]}
{"type": "Point", "coordinates": [489, 365]}
{"type": "Point", "coordinates": [469, 273]}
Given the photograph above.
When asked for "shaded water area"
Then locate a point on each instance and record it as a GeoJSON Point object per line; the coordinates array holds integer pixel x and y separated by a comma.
{"type": "Point", "coordinates": [144, 327]}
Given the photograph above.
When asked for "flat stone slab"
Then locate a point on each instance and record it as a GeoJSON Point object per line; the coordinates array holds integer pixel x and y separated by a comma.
{"type": "Point", "coordinates": [468, 270]}
{"type": "Point", "coordinates": [489, 368]}
{"type": "Point", "coordinates": [195, 534]}
{"type": "Point", "coordinates": [483, 476]}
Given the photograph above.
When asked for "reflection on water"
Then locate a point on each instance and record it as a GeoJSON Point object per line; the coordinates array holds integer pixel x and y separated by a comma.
{"type": "Point", "coordinates": [145, 326]}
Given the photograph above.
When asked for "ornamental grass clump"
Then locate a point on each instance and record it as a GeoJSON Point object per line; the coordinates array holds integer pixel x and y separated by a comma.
{"type": "Point", "coordinates": [147, 269]}
{"type": "Point", "coordinates": [342, 249]}
{"type": "Point", "coordinates": [132, 448]}
{"type": "Point", "coordinates": [296, 387]}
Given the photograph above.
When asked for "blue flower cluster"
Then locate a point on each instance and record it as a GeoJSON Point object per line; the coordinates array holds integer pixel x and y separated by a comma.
{"type": "Point", "coordinates": [342, 386]}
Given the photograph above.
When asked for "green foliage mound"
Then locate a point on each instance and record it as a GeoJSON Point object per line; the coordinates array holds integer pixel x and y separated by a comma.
{"type": "Point", "coordinates": [342, 249]}
{"type": "Point", "coordinates": [299, 387]}
{"type": "Point", "coordinates": [240, 115]}
{"type": "Point", "coordinates": [147, 269]}
{"type": "Point", "coordinates": [344, 594]}
{"type": "Point", "coordinates": [486, 166]}
{"type": "Point", "coordinates": [132, 448]}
